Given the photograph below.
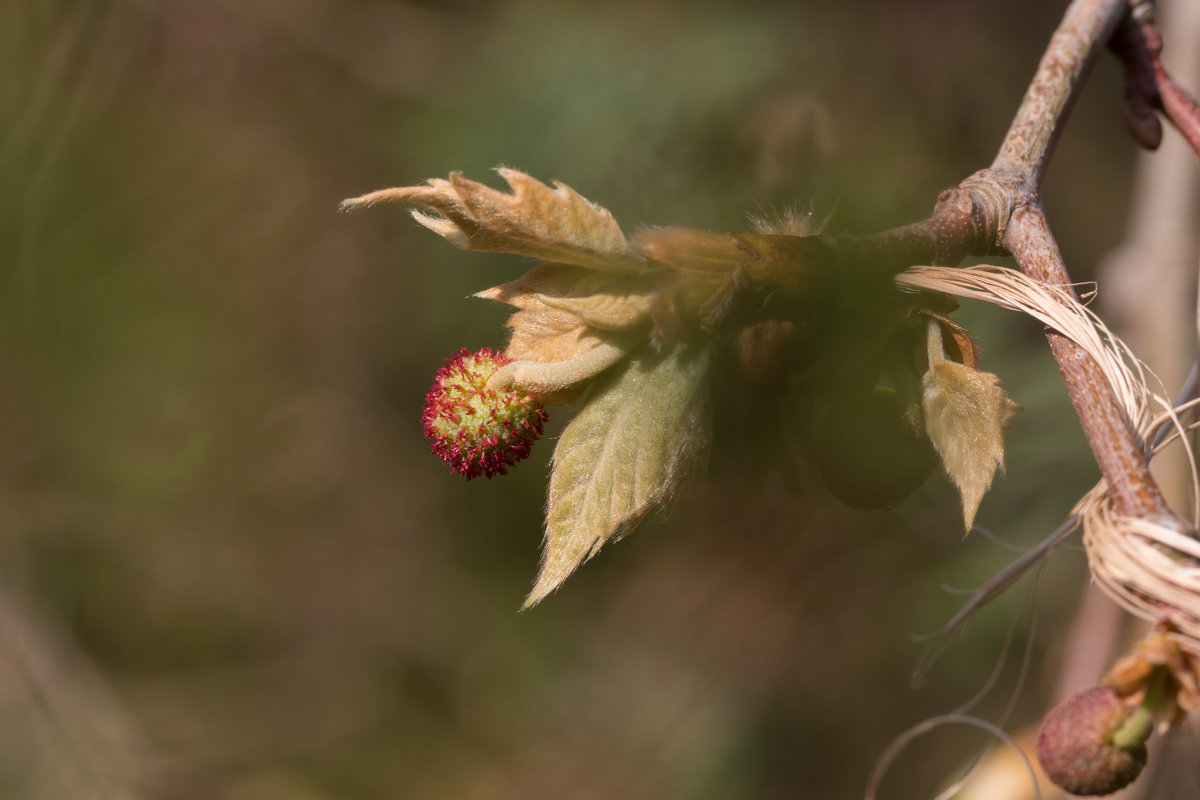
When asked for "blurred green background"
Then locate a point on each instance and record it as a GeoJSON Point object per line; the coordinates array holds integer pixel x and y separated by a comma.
{"type": "Point", "coordinates": [231, 569]}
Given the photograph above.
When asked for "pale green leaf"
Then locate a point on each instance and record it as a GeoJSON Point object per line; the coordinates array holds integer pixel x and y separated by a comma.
{"type": "Point", "coordinates": [642, 429]}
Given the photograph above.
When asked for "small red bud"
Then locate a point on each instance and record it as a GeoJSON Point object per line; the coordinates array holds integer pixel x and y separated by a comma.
{"type": "Point", "coordinates": [475, 430]}
{"type": "Point", "coordinates": [1075, 744]}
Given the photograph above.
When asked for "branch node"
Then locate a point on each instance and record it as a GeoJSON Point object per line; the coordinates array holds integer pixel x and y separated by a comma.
{"type": "Point", "coordinates": [994, 198]}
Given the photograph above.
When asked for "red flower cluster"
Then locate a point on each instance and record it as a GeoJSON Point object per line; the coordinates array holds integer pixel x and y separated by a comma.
{"type": "Point", "coordinates": [475, 430]}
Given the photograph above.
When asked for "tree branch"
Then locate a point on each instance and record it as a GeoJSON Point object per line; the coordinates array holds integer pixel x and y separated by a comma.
{"type": "Point", "coordinates": [1117, 449]}
{"type": "Point", "coordinates": [1085, 29]}
{"type": "Point", "coordinates": [1008, 196]}
{"type": "Point", "coordinates": [998, 210]}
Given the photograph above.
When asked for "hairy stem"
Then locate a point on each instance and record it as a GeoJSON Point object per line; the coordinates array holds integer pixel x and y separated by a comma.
{"type": "Point", "coordinates": [951, 233]}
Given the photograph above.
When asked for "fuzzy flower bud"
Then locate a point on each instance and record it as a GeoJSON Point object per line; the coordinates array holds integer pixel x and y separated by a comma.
{"type": "Point", "coordinates": [475, 430]}
{"type": "Point", "coordinates": [1076, 744]}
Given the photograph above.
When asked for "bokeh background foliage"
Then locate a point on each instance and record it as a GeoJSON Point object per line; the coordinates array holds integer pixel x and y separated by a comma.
{"type": "Point", "coordinates": [229, 567]}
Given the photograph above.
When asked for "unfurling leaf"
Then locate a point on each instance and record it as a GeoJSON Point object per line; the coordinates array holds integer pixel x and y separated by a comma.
{"type": "Point", "coordinates": [552, 377]}
{"type": "Point", "coordinates": [606, 300]}
{"type": "Point", "coordinates": [637, 439]}
{"type": "Point", "coordinates": [533, 220]}
{"type": "Point", "coordinates": [965, 413]}
{"type": "Point", "coordinates": [550, 335]}
{"type": "Point", "coordinates": [557, 354]}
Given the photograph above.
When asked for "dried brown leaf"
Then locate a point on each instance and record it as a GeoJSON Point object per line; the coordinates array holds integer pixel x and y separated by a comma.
{"type": "Point", "coordinates": [965, 413]}
{"type": "Point", "coordinates": [532, 220]}
{"type": "Point", "coordinates": [641, 432]}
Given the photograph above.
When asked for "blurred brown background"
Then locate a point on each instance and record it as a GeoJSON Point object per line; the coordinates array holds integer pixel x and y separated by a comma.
{"type": "Point", "coordinates": [229, 568]}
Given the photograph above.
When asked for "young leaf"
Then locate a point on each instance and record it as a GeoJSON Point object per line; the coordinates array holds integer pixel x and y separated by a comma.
{"type": "Point", "coordinates": [553, 337]}
{"type": "Point", "coordinates": [634, 443]}
{"type": "Point", "coordinates": [533, 220]}
{"type": "Point", "coordinates": [553, 377]}
{"type": "Point", "coordinates": [605, 300]}
{"type": "Point", "coordinates": [965, 412]}
{"type": "Point", "coordinates": [525, 291]}
{"type": "Point", "coordinates": [550, 335]}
